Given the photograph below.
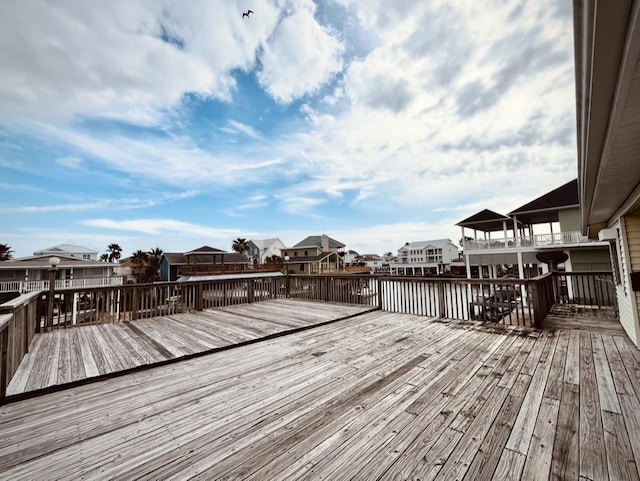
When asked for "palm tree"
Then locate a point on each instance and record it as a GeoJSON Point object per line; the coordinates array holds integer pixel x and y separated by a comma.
{"type": "Point", "coordinates": [5, 252]}
{"type": "Point", "coordinates": [275, 260]}
{"type": "Point", "coordinates": [153, 266]}
{"type": "Point", "coordinates": [139, 258]}
{"type": "Point", "coordinates": [240, 245]}
{"type": "Point", "coordinates": [115, 251]}
{"type": "Point", "coordinates": [104, 257]}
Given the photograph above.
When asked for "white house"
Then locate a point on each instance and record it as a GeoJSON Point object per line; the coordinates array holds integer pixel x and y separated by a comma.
{"type": "Point", "coordinates": [372, 261]}
{"type": "Point", "coordinates": [68, 250]}
{"type": "Point", "coordinates": [607, 47]}
{"type": "Point", "coordinates": [259, 250]}
{"type": "Point", "coordinates": [425, 257]}
{"type": "Point", "coordinates": [350, 257]}
{"type": "Point", "coordinates": [32, 274]}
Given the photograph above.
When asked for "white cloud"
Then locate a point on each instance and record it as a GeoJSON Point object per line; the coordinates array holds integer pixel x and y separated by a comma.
{"type": "Point", "coordinates": [102, 204]}
{"type": "Point", "coordinates": [135, 61]}
{"type": "Point", "coordinates": [167, 227]}
{"type": "Point", "coordinates": [70, 162]}
{"type": "Point", "coordinates": [234, 127]}
{"type": "Point", "coordinates": [299, 57]}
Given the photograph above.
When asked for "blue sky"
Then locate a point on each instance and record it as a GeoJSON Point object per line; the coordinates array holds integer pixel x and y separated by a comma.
{"type": "Point", "coordinates": [177, 124]}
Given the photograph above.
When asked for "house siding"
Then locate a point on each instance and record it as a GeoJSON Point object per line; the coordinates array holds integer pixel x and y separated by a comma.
{"type": "Point", "coordinates": [632, 227]}
{"type": "Point", "coordinates": [569, 220]}
{"type": "Point", "coordinates": [588, 260]}
{"type": "Point", "coordinates": [629, 256]}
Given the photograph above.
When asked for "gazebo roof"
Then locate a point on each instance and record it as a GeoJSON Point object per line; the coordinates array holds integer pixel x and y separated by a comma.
{"type": "Point", "coordinates": [487, 221]}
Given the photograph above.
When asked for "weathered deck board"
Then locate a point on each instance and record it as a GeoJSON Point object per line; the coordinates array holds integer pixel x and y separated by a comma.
{"type": "Point", "coordinates": [378, 396]}
{"type": "Point", "coordinates": [68, 355]}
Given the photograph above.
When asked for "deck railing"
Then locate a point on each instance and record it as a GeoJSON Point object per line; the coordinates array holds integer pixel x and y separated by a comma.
{"type": "Point", "coordinates": [24, 287]}
{"type": "Point", "coordinates": [138, 301]}
{"type": "Point", "coordinates": [17, 328]}
{"type": "Point", "coordinates": [517, 302]}
{"type": "Point", "coordinates": [536, 241]}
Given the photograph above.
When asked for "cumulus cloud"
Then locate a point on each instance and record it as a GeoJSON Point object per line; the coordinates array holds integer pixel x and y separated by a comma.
{"type": "Point", "coordinates": [135, 61]}
{"type": "Point", "coordinates": [299, 57]}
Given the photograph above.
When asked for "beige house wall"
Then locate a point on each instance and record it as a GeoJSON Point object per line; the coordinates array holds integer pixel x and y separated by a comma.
{"type": "Point", "coordinates": [569, 220]}
{"type": "Point", "coordinates": [631, 322]}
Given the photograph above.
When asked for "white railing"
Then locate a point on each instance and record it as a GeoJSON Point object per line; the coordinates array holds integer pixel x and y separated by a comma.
{"type": "Point", "coordinates": [537, 241]}
{"type": "Point", "coordinates": [31, 286]}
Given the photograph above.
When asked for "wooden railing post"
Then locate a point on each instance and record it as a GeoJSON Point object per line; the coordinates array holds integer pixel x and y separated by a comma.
{"type": "Point", "coordinates": [287, 285]}
{"type": "Point", "coordinates": [250, 291]}
{"type": "Point", "coordinates": [134, 304]}
{"type": "Point", "coordinates": [199, 296]}
{"type": "Point", "coordinates": [441, 300]}
{"type": "Point", "coordinates": [4, 347]}
{"type": "Point", "coordinates": [536, 305]}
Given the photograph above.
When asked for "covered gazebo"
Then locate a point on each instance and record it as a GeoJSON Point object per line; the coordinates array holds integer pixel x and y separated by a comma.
{"type": "Point", "coordinates": [492, 231]}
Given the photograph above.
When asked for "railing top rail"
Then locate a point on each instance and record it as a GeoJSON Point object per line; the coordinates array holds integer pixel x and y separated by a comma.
{"type": "Point", "coordinates": [162, 284]}
{"type": "Point", "coordinates": [18, 301]}
{"type": "Point", "coordinates": [582, 273]}
{"type": "Point", "coordinates": [4, 321]}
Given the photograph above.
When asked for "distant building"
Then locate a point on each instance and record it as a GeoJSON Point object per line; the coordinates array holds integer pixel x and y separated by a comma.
{"type": "Point", "coordinates": [68, 250]}
{"type": "Point", "coordinates": [314, 255]}
{"type": "Point", "coordinates": [430, 257]}
{"type": "Point", "coordinates": [199, 262]}
{"type": "Point", "coordinates": [350, 257]}
{"type": "Point", "coordinates": [259, 250]}
{"type": "Point", "coordinates": [372, 261]}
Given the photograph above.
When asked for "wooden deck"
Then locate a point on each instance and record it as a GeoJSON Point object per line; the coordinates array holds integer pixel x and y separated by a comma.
{"type": "Point", "coordinates": [378, 396]}
{"type": "Point", "coordinates": [75, 354]}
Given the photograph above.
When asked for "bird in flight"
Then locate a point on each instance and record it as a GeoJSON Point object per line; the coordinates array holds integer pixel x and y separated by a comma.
{"type": "Point", "coordinates": [247, 13]}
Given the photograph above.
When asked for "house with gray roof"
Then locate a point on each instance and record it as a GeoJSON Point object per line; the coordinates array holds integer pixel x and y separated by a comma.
{"type": "Point", "coordinates": [69, 250]}
{"type": "Point", "coordinates": [202, 261]}
{"type": "Point", "coordinates": [317, 254]}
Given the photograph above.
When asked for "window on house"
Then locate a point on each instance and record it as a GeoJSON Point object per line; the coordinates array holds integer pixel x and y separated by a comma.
{"type": "Point", "coordinates": [301, 267]}
{"type": "Point", "coordinates": [306, 253]}
{"type": "Point", "coordinates": [295, 253]}
{"type": "Point", "coordinates": [7, 275]}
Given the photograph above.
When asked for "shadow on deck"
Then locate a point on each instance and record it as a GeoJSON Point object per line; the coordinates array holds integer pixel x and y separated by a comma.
{"type": "Point", "coordinates": [76, 355]}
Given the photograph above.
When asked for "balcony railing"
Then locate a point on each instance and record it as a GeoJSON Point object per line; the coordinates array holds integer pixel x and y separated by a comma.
{"type": "Point", "coordinates": [24, 287]}
{"type": "Point", "coordinates": [537, 241]}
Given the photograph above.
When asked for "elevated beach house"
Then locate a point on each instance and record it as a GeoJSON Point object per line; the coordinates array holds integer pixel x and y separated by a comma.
{"type": "Point", "coordinates": [431, 257]}
{"type": "Point", "coordinates": [496, 245]}
{"type": "Point", "coordinates": [29, 274]}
